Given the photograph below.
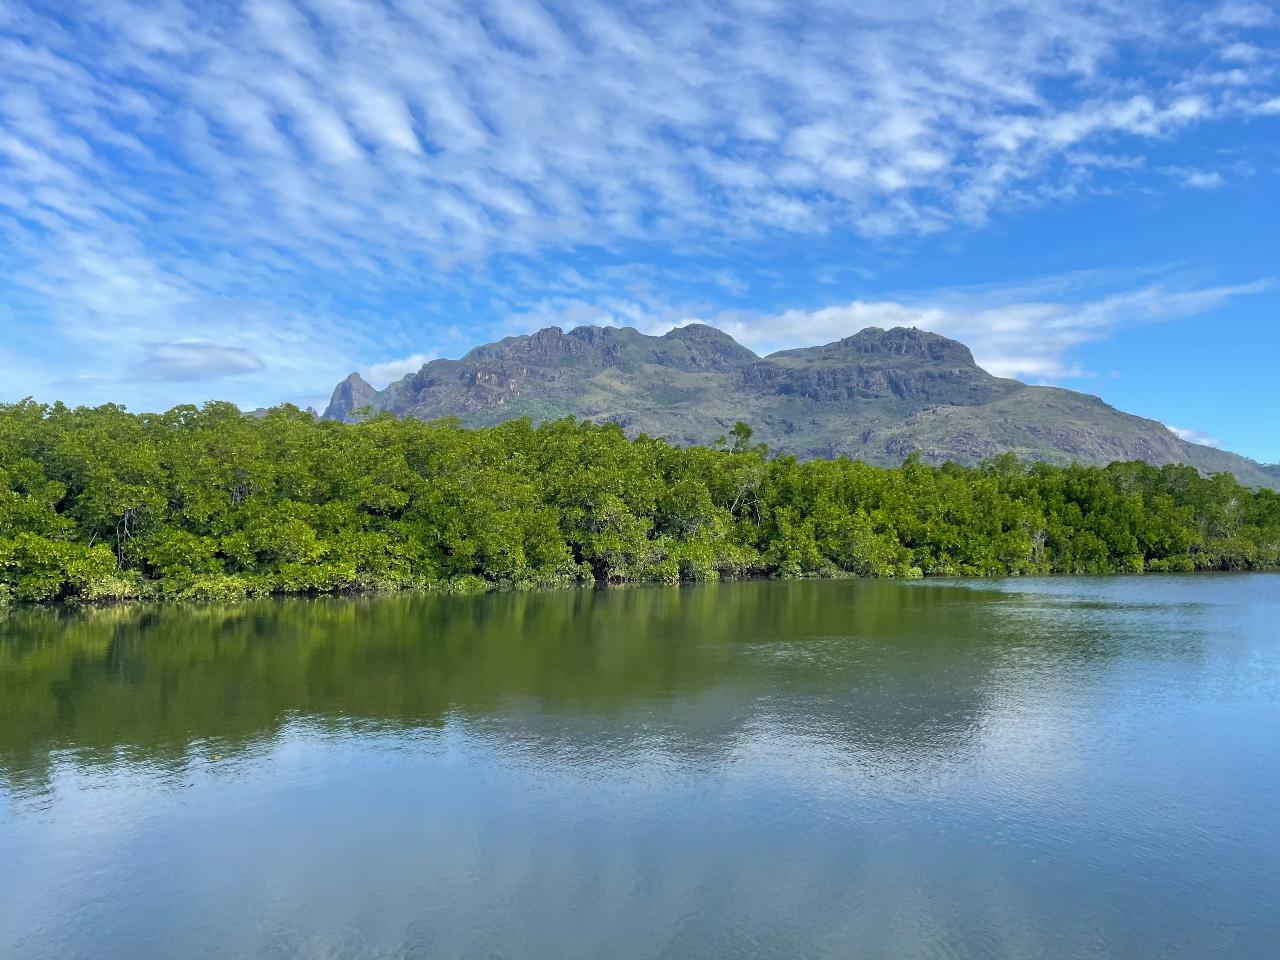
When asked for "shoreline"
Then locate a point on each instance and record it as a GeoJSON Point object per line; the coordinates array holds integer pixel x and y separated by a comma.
{"type": "Point", "coordinates": [455, 589]}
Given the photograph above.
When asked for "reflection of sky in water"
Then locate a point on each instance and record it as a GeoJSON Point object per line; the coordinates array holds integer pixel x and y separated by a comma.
{"type": "Point", "coordinates": [1035, 768]}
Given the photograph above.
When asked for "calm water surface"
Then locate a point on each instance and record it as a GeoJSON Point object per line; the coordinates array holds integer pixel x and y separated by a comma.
{"type": "Point", "coordinates": [1064, 768]}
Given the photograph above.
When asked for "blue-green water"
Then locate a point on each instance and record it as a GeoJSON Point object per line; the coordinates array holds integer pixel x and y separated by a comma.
{"type": "Point", "coordinates": [1063, 768]}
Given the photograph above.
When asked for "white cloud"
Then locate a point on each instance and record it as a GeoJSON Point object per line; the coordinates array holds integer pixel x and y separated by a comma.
{"type": "Point", "coordinates": [1203, 179]}
{"type": "Point", "coordinates": [167, 174]}
{"type": "Point", "coordinates": [1232, 14]}
{"type": "Point", "coordinates": [196, 360]}
{"type": "Point", "coordinates": [380, 374]}
{"type": "Point", "coordinates": [1009, 333]}
{"type": "Point", "coordinates": [462, 129]}
{"type": "Point", "coordinates": [1240, 52]}
{"type": "Point", "coordinates": [1194, 436]}
{"type": "Point", "coordinates": [1196, 179]}
{"type": "Point", "coordinates": [1027, 330]}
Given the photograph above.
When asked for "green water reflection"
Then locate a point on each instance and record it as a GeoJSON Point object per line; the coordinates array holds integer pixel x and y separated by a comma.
{"type": "Point", "coordinates": [1042, 768]}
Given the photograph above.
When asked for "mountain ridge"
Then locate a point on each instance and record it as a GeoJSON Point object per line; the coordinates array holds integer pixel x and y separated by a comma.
{"type": "Point", "coordinates": [877, 395]}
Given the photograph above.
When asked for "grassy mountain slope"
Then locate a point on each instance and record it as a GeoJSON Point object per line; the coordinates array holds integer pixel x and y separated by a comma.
{"type": "Point", "coordinates": [877, 395]}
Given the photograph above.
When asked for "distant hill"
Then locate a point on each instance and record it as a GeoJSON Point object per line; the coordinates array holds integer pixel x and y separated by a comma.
{"type": "Point", "coordinates": [877, 395]}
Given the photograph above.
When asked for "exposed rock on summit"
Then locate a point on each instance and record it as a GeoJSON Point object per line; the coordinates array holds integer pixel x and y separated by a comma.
{"type": "Point", "coordinates": [877, 395]}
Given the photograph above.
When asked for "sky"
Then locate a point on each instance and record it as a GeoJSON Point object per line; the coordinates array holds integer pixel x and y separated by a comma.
{"type": "Point", "coordinates": [249, 200]}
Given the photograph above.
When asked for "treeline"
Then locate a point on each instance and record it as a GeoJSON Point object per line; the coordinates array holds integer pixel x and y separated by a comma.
{"type": "Point", "coordinates": [211, 503]}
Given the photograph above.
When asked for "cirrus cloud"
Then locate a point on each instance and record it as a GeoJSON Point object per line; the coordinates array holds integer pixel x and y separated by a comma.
{"type": "Point", "coordinates": [1029, 330]}
{"type": "Point", "coordinates": [1013, 331]}
{"type": "Point", "coordinates": [325, 183]}
{"type": "Point", "coordinates": [367, 135]}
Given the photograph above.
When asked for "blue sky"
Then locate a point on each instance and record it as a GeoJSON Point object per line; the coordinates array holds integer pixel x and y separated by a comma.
{"type": "Point", "coordinates": [247, 201]}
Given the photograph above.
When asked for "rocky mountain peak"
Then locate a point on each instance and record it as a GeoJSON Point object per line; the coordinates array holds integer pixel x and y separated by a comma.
{"type": "Point", "coordinates": [877, 395]}
{"type": "Point", "coordinates": [909, 342]}
{"type": "Point", "coordinates": [874, 344]}
{"type": "Point", "coordinates": [350, 395]}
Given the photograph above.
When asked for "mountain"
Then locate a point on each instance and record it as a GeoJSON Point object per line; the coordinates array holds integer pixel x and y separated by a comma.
{"type": "Point", "coordinates": [877, 395]}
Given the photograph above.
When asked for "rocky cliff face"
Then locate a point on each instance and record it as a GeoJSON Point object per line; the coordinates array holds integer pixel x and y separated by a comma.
{"type": "Point", "coordinates": [352, 394]}
{"type": "Point", "coordinates": [692, 348]}
{"type": "Point", "coordinates": [878, 395]}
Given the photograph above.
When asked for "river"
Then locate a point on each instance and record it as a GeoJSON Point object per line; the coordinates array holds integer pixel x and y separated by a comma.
{"type": "Point", "coordinates": [1055, 768]}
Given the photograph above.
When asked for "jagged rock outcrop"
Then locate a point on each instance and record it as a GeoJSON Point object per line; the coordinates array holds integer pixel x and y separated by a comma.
{"type": "Point", "coordinates": [351, 395]}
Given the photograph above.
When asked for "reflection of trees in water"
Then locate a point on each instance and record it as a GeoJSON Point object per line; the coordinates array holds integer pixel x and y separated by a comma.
{"type": "Point", "coordinates": [884, 673]}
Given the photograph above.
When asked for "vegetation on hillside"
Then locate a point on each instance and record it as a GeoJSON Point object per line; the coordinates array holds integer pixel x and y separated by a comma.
{"type": "Point", "coordinates": [875, 396]}
{"type": "Point", "coordinates": [210, 503]}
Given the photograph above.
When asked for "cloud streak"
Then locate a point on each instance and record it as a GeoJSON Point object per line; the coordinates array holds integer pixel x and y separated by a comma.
{"type": "Point", "coordinates": [1028, 331]}
{"type": "Point", "coordinates": [1194, 436]}
{"type": "Point", "coordinates": [188, 360]}
{"type": "Point", "coordinates": [310, 179]}
{"type": "Point", "coordinates": [456, 130]}
{"type": "Point", "coordinates": [380, 374]}
{"type": "Point", "coordinates": [1010, 336]}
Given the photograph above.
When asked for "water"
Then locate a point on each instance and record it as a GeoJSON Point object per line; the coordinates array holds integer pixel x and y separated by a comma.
{"type": "Point", "coordinates": [1062, 768]}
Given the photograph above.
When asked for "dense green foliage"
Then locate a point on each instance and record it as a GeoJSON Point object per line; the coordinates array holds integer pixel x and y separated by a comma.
{"type": "Point", "coordinates": [210, 503]}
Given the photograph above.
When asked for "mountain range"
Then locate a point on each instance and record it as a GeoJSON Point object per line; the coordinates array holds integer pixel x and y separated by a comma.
{"type": "Point", "coordinates": [878, 395]}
